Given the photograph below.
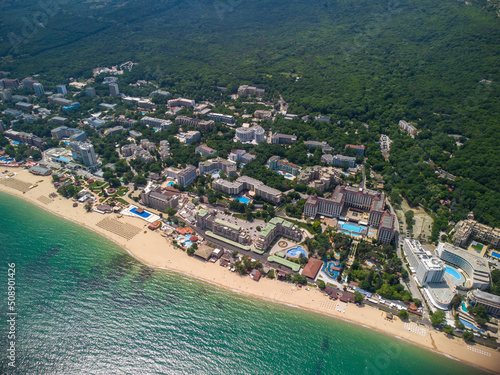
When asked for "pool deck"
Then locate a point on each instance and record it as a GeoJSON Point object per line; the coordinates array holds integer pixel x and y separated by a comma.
{"type": "Point", "coordinates": [150, 219]}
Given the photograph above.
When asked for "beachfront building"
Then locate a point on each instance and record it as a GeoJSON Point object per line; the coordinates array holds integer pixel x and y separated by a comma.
{"type": "Point", "coordinates": [490, 301]}
{"type": "Point", "coordinates": [83, 152]}
{"type": "Point", "coordinates": [275, 163]}
{"type": "Point", "coordinates": [159, 198]}
{"type": "Point", "coordinates": [275, 228]}
{"type": "Point", "coordinates": [254, 134]}
{"type": "Point", "coordinates": [347, 198]}
{"type": "Point", "coordinates": [465, 230]}
{"type": "Point", "coordinates": [184, 176]}
{"type": "Point", "coordinates": [247, 183]}
{"type": "Point", "coordinates": [40, 171]}
{"type": "Point", "coordinates": [312, 268]}
{"type": "Point", "coordinates": [429, 269]}
{"type": "Point", "coordinates": [475, 267]}
{"type": "Point", "coordinates": [207, 220]}
{"type": "Point", "coordinates": [218, 164]}
{"type": "Point", "coordinates": [320, 178]}
{"type": "Point", "coordinates": [201, 124]}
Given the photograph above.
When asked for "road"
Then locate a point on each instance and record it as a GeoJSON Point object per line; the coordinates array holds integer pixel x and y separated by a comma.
{"type": "Point", "coordinates": [412, 284]}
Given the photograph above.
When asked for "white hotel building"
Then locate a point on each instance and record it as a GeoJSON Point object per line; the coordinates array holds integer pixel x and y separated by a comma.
{"type": "Point", "coordinates": [429, 269]}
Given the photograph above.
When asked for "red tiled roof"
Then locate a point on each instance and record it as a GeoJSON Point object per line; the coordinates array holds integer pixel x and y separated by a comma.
{"type": "Point", "coordinates": [312, 268]}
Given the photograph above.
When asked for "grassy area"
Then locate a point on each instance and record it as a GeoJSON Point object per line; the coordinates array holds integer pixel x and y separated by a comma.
{"type": "Point", "coordinates": [300, 224]}
{"type": "Point", "coordinates": [478, 247]}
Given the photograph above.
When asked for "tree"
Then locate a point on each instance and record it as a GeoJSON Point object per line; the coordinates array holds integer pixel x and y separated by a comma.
{"type": "Point", "coordinates": [358, 297]}
{"type": "Point", "coordinates": [114, 182]}
{"type": "Point", "coordinates": [438, 318]}
{"type": "Point", "coordinates": [468, 336]}
{"type": "Point", "coordinates": [235, 253]}
{"type": "Point", "coordinates": [190, 251]}
{"type": "Point", "coordinates": [321, 284]}
{"type": "Point", "coordinates": [417, 302]}
{"type": "Point", "coordinates": [456, 301]}
{"type": "Point", "coordinates": [403, 314]}
{"type": "Point", "coordinates": [299, 279]}
{"type": "Point", "coordinates": [409, 218]}
{"type": "Point", "coordinates": [271, 275]}
{"type": "Point", "coordinates": [170, 211]}
{"type": "Point", "coordinates": [448, 329]}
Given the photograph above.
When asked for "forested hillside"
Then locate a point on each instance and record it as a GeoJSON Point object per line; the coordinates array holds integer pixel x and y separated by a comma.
{"type": "Point", "coordinates": [375, 62]}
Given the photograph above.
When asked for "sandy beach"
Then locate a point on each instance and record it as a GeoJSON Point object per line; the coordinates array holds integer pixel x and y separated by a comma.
{"type": "Point", "coordinates": [155, 250]}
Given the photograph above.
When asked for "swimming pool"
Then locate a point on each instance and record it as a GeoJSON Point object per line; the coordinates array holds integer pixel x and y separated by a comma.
{"type": "Point", "coordinates": [144, 215]}
{"type": "Point", "coordinates": [464, 307]}
{"type": "Point", "coordinates": [352, 227]}
{"type": "Point", "coordinates": [455, 274]}
{"type": "Point", "coordinates": [495, 254]}
{"type": "Point", "coordinates": [171, 183]}
{"type": "Point", "coordinates": [296, 252]}
{"type": "Point", "coordinates": [288, 175]}
{"type": "Point", "coordinates": [351, 234]}
{"type": "Point", "coordinates": [242, 200]}
{"type": "Point", "coordinates": [471, 326]}
{"type": "Point", "coordinates": [328, 269]}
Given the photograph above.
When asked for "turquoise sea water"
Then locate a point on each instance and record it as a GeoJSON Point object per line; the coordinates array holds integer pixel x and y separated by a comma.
{"type": "Point", "coordinates": [87, 307]}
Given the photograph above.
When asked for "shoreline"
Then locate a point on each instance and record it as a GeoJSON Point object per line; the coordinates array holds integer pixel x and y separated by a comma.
{"type": "Point", "coordinates": [156, 251]}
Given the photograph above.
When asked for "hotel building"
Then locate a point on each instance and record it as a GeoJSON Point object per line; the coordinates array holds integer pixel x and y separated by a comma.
{"type": "Point", "coordinates": [218, 164]}
{"type": "Point", "coordinates": [429, 269]}
{"type": "Point", "coordinates": [250, 134]}
{"type": "Point", "coordinates": [277, 227]}
{"type": "Point", "coordinates": [490, 301]}
{"type": "Point", "coordinates": [275, 163]}
{"type": "Point", "coordinates": [467, 229]}
{"type": "Point", "coordinates": [160, 199]}
{"type": "Point", "coordinates": [363, 200]}
{"type": "Point", "coordinates": [475, 267]}
{"type": "Point", "coordinates": [247, 183]}
{"type": "Point", "coordinates": [201, 124]}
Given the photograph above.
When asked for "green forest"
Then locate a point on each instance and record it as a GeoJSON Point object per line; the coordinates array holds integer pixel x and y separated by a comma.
{"type": "Point", "coordinates": [366, 64]}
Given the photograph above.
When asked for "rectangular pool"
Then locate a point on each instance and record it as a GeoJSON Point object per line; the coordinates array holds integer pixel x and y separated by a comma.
{"type": "Point", "coordinates": [242, 200]}
{"type": "Point", "coordinates": [495, 254]}
{"type": "Point", "coordinates": [352, 228]}
{"type": "Point", "coordinates": [144, 215]}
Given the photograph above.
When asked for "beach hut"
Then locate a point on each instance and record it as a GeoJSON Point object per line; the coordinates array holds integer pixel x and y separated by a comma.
{"type": "Point", "coordinates": [389, 316]}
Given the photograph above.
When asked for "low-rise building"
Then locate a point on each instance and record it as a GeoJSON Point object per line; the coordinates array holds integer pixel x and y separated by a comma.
{"type": "Point", "coordinates": [218, 164]}
{"type": "Point", "coordinates": [339, 160]}
{"type": "Point", "coordinates": [275, 163]}
{"type": "Point", "coordinates": [181, 102]}
{"type": "Point", "coordinates": [245, 90]}
{"type": "Point", "coordinates": [263, 115]}
{"type": "Point", "coordinates": [184, 176]}
{"type": "Point", "coordinates": [283, 139]}
{"type": "Point", "coordinates": [407, 127]}
{"type": "Point", "coordinates": [465, 230]}
{"type": "Point", "coordinates": [314, 144]}
{"type": "Point", "coordinates": [360, 150]}
{"type": "Point", "coordinates": [219, 117]}
{"type": "Point", "coordinates": [204, 150]}
{"type": "Point", "coordinates": [156, 122]}
{"type": "Point", "coordinates": [191, 136]}
{"type": "Point", "coordinates": [199, 123]}
{"type": "Point", "coordinates": [114, 131]}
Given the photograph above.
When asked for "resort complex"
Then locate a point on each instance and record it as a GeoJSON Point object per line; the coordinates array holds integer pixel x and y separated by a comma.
{"type": "Point", "coordinates": [350, 204]}
{"type": "Point", "coordinates": [466, 230]}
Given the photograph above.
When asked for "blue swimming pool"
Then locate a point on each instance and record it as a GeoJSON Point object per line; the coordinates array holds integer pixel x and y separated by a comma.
{"type": "Point", "coordinates": [464, 307]}
{"type": "Point", "coordinates": [495, 254]}
{"type": "Point", "coordinates": [471, 326]}
{"type": "Point", "coordinates": [171, 183]}
{"type": "Point", "coordinates": [352, 227]}
{"type": "Point", "coordinates": [454, 273]}
{"type": "Point", "coordinates": [144, 215]}
{"type": "Point", "coordinates": [288, 175]}
{"type": "Point", "coordinates": [351, 234]}
{"type": "Point", "coordinates": [242, 200]}
{"type": "Point", "coordinates": [296, 252]}
{"type": "Point", "coordinates": [329, 271]}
